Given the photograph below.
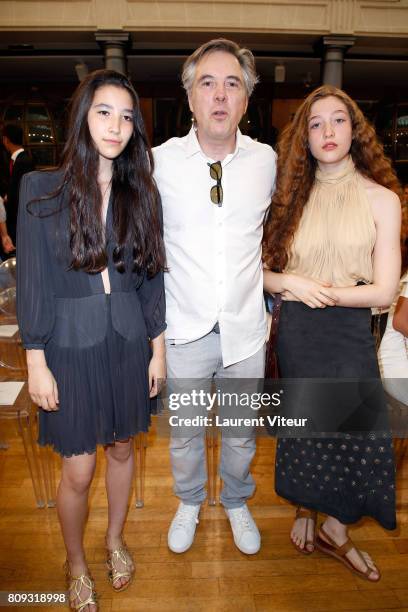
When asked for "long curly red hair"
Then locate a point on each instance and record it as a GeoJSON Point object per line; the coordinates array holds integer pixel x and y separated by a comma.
{"type": "Point", "coordinates": [296, 172]}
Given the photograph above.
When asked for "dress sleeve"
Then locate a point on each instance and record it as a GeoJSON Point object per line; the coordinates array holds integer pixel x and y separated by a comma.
{"type": "Point", "coordinates": [153, 301]}
{"type": "Point", "coordinates": [152, 298]}
{"type": "Point", "coordinates": [35, 299]}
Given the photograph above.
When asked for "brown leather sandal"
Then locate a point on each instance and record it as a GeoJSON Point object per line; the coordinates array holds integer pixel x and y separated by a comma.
{"type": "Point", "coordinates": [339, 552]}
{"type": "Point", "coordinates": [309, 515]}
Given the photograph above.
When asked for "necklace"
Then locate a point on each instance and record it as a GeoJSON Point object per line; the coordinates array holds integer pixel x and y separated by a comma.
{"type": "Point", "coordinates": [108, 185]}
{"type": "Point", "coordinates": [105, 200]}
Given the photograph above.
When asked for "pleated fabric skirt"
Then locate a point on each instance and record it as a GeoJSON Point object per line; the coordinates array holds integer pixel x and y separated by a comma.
{"type": "Point", "coordinates": [349, 477]}
{"type": "Point", "coordinates": [103, 393]}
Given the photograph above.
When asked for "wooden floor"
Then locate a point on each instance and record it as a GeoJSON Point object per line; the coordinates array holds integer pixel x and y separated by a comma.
{"type": "Point", "coordinates": [213, 575]}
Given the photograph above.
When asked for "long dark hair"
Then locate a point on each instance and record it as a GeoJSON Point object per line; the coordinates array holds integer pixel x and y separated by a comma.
{"type": "Point", "coordinates": [135, 198]}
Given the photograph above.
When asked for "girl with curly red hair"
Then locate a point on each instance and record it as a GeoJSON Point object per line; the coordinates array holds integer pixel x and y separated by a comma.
{"type": "Point", "coordinates": [331, 249]}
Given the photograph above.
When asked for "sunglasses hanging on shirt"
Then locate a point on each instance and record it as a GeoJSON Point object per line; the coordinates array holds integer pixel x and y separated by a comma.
{"type": "Point", "coordinates": [216, 193]}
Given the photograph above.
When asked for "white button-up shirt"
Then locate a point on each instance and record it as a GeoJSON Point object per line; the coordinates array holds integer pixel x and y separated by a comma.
{"type": "Point", "coordinates": [214, 252]}
{"type": "Point", "coordinates": [16, 154]}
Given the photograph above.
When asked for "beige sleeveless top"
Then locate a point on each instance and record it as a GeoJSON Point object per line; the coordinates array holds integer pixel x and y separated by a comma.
{"type": "Point", "coordinates": [336, 235]}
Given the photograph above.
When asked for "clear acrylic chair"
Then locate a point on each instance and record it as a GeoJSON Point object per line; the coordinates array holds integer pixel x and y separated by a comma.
{"type": "Point", "coordinates": [139, 449]}
{"type": "Point", "coordinates": [398, 414]}
{"type": "Point", "coordinates": [24, 413]}
{"type": "Point", "coordinates": [8, 288]}
{"type": "Point", "coordinates": [13, 367]}
{"type": "Point", "coordinates": [8, 270]}
{"type": "Point", "coordinates": [40, 461]}
{"type": "Point", "coordinates": [212, 443]}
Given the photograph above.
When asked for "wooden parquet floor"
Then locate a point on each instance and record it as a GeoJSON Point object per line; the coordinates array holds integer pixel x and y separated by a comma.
{"type": "Point", "coordinates": [213, 575]}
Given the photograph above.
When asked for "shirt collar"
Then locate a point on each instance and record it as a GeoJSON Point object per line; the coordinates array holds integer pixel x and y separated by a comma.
{"type": "Point", "coordinates": [242, 142]}
{"type": "Point", "coordinates": [14, 156]}
{"type": "Point", "coordinates": [193, 146]}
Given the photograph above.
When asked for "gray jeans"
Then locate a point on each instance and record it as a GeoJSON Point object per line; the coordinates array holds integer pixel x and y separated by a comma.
{"type": "Point", "coordinates": [201, 360]}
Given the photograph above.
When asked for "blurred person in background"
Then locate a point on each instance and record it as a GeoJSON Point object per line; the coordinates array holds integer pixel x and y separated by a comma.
{"type": "Point", "coordinates": [6, 242]}
{"type": "Point", "coordinates": [393, 351]}
{"type": "Point", "coordinates": [20, 164]}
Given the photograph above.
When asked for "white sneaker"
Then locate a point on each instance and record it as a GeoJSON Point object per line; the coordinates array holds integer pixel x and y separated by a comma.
{"type": "Point", "coordinates": [182, 528]}
{"type": "Point", "coordinates": [246, 535]}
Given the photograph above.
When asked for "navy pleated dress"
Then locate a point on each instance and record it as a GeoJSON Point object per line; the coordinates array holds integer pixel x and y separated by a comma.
{"type": "Point", "coordinates": [96, 344]}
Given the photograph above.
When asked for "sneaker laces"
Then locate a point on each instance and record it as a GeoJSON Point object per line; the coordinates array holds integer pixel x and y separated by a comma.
{"type": "Point", "coordinates": [241, 515]}
{"type": "Point", "coordinates": [184, 515]}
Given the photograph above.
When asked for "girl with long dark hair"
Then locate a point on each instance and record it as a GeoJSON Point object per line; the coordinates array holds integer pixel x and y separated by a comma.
{"type": "Point", "coordinates": [331, 249]}
{"type": "Point", "coordinates": [91, 310]}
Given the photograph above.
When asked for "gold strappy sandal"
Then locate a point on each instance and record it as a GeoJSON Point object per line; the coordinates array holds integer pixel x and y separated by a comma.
{"type": "Point", "coordinates": [77, 583]}
{"type": "Point", "coordinates": [123, 555]}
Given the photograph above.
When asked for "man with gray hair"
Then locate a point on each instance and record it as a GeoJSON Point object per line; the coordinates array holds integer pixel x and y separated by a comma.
{"type": "Point", "coordinates": [215, 185]}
